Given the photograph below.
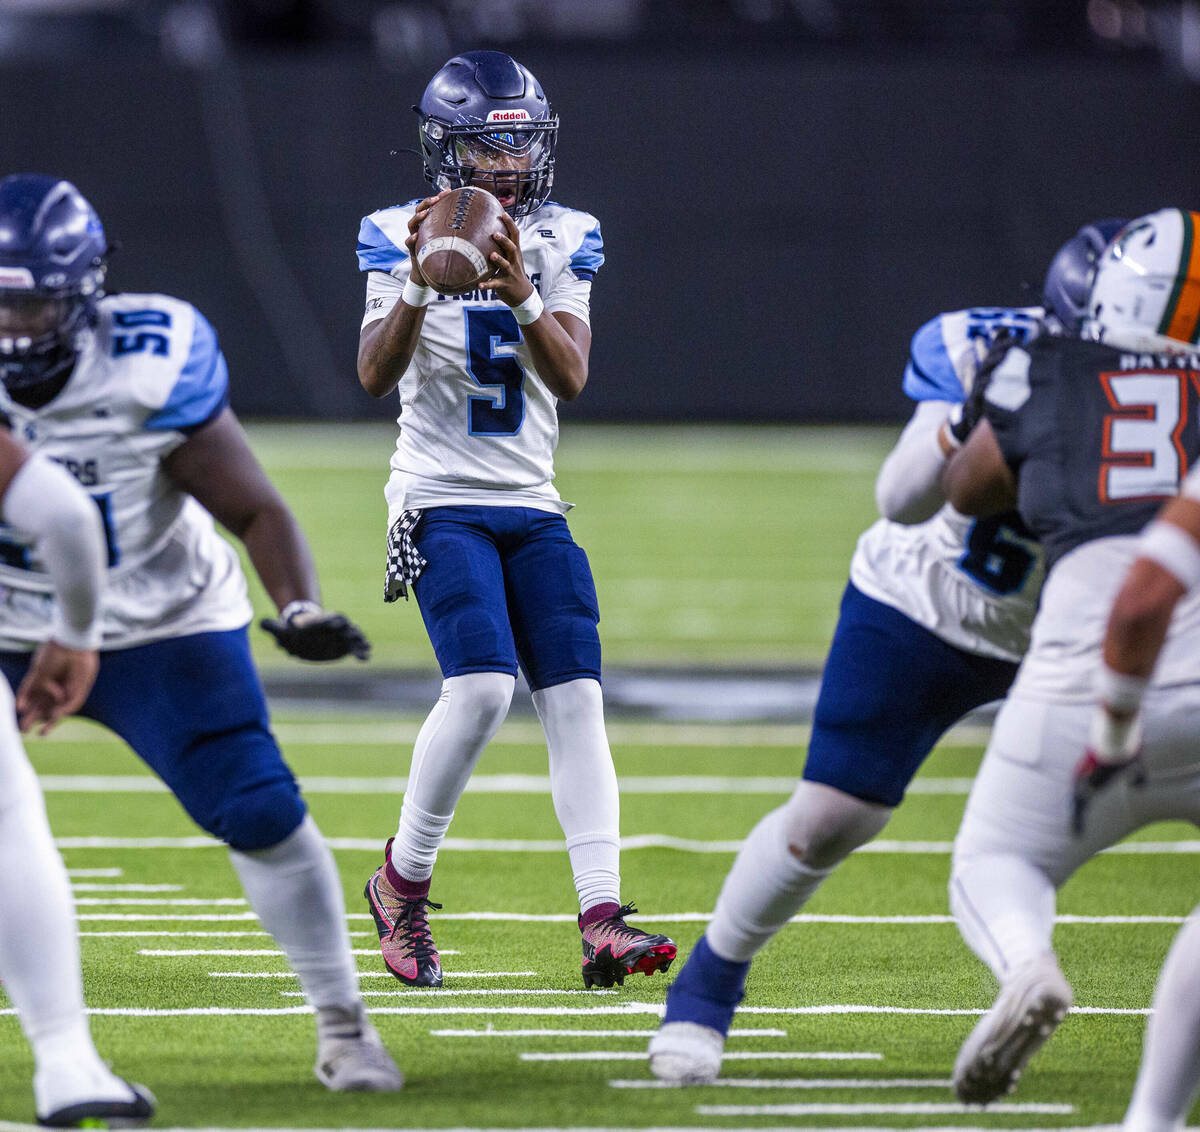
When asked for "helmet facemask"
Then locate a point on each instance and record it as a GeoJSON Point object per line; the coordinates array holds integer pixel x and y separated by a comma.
{"type": "Point", "coordinates": [515, 165]}
{"type": "Point", "coordinates": [40, 329]}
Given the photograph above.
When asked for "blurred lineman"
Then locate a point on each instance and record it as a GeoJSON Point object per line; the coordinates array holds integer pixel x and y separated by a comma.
{"type": "Point", "coordinates": [39, 948]}
{"type": "Point", "coordinates": [129, 393]}
{"type": "Point", "coordinates": [476, 526]}
{"type": "Point", "coordinates": [933, 623]}
{"type": "Point", "coordinates": [1089, 435]}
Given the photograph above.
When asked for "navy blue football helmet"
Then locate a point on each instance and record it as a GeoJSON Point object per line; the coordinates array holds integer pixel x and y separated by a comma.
{"type": "Point", "coordinates": [52, 264]}
{"type": "Point", "coordinates": [486, 121]}
{"type": "Point", "coordinates": [1069, 278]}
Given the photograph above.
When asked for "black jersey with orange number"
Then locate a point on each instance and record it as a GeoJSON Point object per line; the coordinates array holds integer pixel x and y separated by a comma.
{"type": "Point", "coordinates": [1097, 437]}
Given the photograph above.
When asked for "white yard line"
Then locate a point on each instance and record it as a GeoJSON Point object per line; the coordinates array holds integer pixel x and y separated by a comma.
{"type": "Point", "coordinates": [174, 902]}
{"type": "Point", "coordinates": [492, 784]}
{"type": "Point", "coordinates": [95, 872]}
{"type": "Point", "coordinates": [126, 887]}
{"type": "Point", "coordinates": [736, 1055]}
{"type": "Point", "coordinates": [13, 1126]}
{"type": "Point", "coordinates": [637, 841]}
{"type": "Point", "coordinates": [932, 1108]}
{"type": "Point", "coordinates": [481, 992]}
{"type": "Point", "coordinates": [796, 1082]}
{"type": "Point", "coordinates": [382, 974]}
{"type": "Point", "coordinates": [188, 952]}
{"type": "Point", "coordinates": [640, 1033]}
{"type": "Point", "coordinates": [568, 918]}
{"type": "Point", "coordinates": [400, 733]}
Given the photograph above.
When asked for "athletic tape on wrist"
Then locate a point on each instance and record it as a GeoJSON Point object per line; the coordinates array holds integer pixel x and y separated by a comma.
{"type": "Point", "coordinates": [1174, 550]}
{"type": "Point", "coordinates": [1118, 691]}
{"type": "Point", "coordinates": [415, 295]}
{"type": "Point", "coordinates": [302, 605]}
{"type": "Point", "coordinates": [1114, 739]}
{"type": "Point", "coordinates": [530, 310]}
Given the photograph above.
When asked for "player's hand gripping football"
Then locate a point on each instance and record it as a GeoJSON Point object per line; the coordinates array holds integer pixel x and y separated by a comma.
{"type": "Point", "coordinates": [510, 282]}
{"type": "Point", "coordinates": [1114, 750]}
{"type": "Point", "coordinates": [410, 242]}
{"type": "Point", "coordinates": [306, 631]}
{"type": "Point", "coordinates": [58, 681]}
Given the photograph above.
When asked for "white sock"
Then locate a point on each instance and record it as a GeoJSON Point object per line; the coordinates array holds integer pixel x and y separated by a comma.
{"type": "Point", "coordinates": [1170, 1074]}
{"type": "Point", "coordinates": [468, 713]}
{"type": "Point", "coordinates": [583, 784]}
{"type": "Point", "coordinates": [39, 947]}
{"type": "Point", "coordinates": [765, 888]}
{"type": "Point", "coordinates": [295, 890]}
{"type": "Point", "coordinates": [1004, 907]}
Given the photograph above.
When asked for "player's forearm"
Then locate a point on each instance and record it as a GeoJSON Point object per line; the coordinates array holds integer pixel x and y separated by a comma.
{"type": "Point", "coordinates": [558, 360]}
{"type": "Point", "coordinates": [908, 488]}
{"type": "Point", "coordinates": [386, 348]}
{"type": "Point", "coordinates": [1137, 625]}
{"type": "Point", "coordinates": [281, 557]}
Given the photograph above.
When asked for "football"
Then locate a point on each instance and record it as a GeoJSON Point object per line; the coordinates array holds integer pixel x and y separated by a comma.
{"type": "Point", "coordinates": [455, 240]}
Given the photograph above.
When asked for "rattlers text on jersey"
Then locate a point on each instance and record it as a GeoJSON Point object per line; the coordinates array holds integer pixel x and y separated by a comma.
{"type": "Point", "coordinates": [477, 425]}
{"type": "Point", "coordinates": [973, 582]}
{"type": "Point", "coordinates": [147, 375]}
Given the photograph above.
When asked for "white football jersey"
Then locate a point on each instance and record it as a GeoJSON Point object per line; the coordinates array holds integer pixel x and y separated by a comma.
{"type": "Point", "coordinates": [147, 374]}
{"type": "Point", "coordinates": [974, 583]}
{"type": "Point", "coordinates": [477, 425]}
{"type": "Point", "coordinates": [1068, 634]}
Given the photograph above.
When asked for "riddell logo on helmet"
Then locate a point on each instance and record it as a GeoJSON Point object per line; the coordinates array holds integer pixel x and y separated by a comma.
{"type": "Point", "coordinates": [508, 116]}
{"type": "Point", "coordinates": [16, 277]}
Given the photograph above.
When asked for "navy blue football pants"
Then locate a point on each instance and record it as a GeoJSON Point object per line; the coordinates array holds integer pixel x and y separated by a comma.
{"type": "Point", "coordinates": [507, 586]}
{"type": "Point", "coordinates": [890, 690]}
{"type": "Point", "coordinates": [193, 709]}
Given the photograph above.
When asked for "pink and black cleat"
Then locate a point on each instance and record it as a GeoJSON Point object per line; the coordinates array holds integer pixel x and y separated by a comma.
{"type": "Point", "coordinates": [612, 949]}
{"type": "Point", "coordinates": [403, 925]}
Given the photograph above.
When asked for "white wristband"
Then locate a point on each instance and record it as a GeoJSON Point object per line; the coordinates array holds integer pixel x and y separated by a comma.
{"type": "Point", "coordinates": [530, 310]}
{"type": "Point", "coordinates": [1114, 739]}
{"type": "Point", "coordinates": [414, 295]}
{"type": "Point", "coordinates": [1118, 691]}
{"type": "Point", "coordinates": [1174, 550]}
{"type": "Point", "coordinates": [298, 607]}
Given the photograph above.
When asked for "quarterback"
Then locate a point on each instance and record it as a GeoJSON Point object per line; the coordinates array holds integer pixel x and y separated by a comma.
{"type": "Point", "coordinates": [1087, 437]}
{"type": "Point", "coordinates": [129, 393]}
{"type": "Point", "coordinates": [476, 527]}
{"type": "Point", "coordinates": [933, 623]}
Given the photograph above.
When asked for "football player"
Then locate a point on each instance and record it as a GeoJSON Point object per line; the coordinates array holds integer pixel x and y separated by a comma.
{"type": "Point", "coordinates": [933, 623]}
{"type": "Point", "coordinates": [39, 948]}
{"type": "Point", "coordinates": [1087, 436]}
{"type": "Point", "coordinates": [476, 527]}
{"type": "Point", "coordinates": [129, 393]}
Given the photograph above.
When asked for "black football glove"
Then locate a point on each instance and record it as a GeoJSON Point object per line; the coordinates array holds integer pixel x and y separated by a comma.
{"type": "Point", "coordinates": [306, 631]}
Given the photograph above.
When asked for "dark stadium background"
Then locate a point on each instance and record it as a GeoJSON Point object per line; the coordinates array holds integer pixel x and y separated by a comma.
{"type": "Point", "coordinates": [787, 188]}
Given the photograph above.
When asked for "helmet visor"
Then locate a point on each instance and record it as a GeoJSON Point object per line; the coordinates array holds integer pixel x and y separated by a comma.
{"type": "Point", "coordinates": [502, 150]}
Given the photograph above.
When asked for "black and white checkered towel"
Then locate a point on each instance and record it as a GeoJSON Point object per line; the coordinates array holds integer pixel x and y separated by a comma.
{"type": "Point", "coordinates": [404, 561]}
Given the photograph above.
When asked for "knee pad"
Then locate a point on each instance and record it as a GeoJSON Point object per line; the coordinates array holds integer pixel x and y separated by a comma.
{"type": "Point", "coordinates": [259, 815]}
{"type": "Point", "coordinates": [824, 825]}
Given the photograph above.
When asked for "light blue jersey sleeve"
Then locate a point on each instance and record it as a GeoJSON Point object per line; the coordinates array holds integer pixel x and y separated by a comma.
{"type": "Point", "coordinates": [201, 390]}
{"type": "Point", "coordinates": [587, 258]}
{"type": "Point", "coordinates": [930, 374]}
{"type": "Point", "coordinates": [377, 249]}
